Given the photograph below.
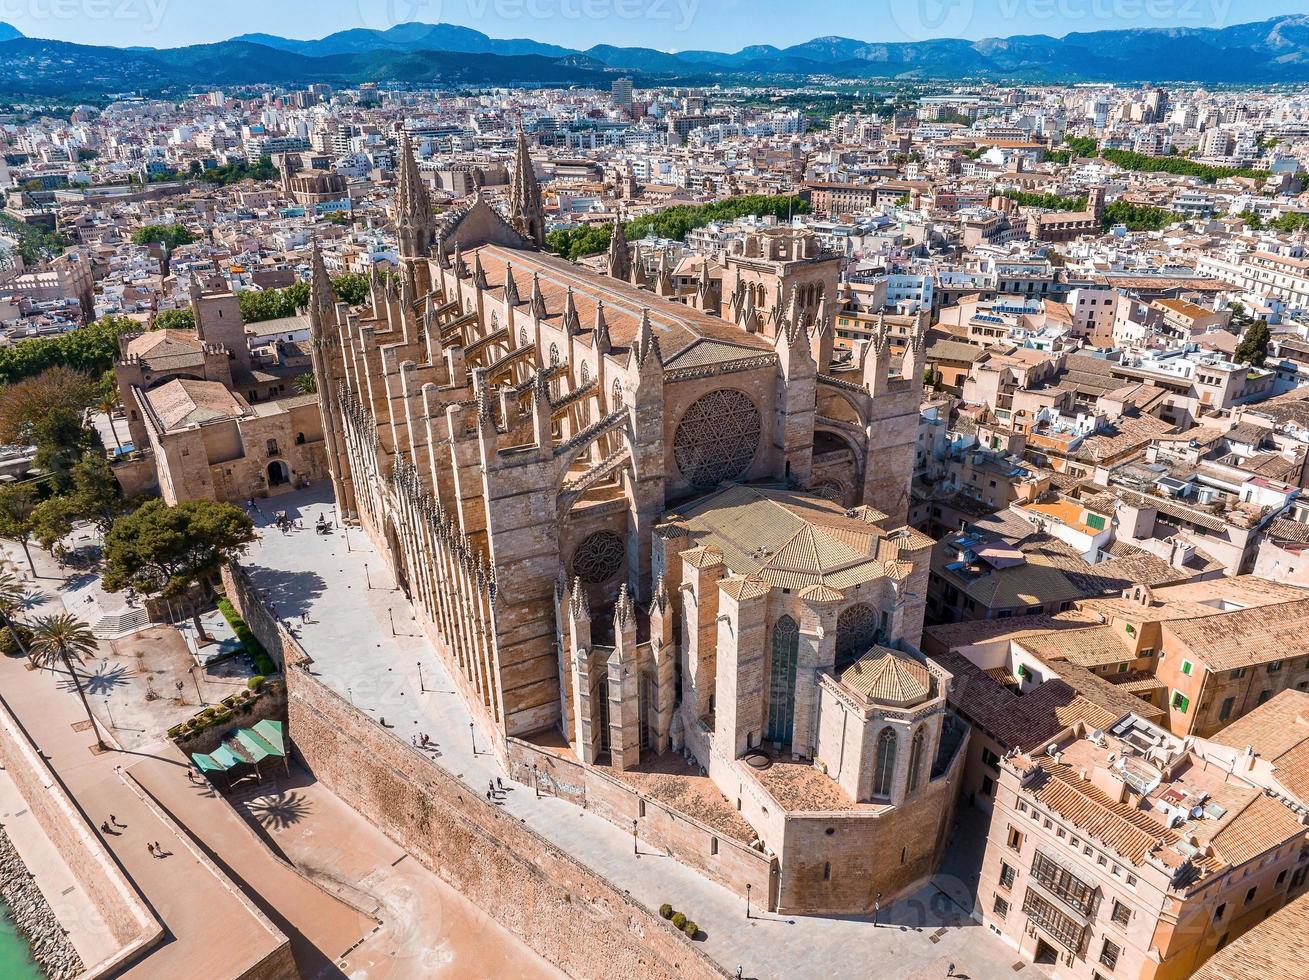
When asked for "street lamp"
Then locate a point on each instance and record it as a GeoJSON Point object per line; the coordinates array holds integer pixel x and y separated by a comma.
{"type": "Point", "coordinates": [367, 581]}
{"type": "Point", "coordinates": [635, 849]}
{"type": "Point", "coordinates": [472, 737]}
{"type": "Point", "coordinates": [877, 908]}
{"type": "Point", "coordinates": [194, 680]}
{"type": "Point", "coordinates": [748, 886]}
{"type": "Point", "coordinates": [420, 670]}
{"type": "Point", "coordinates": [110, 714]}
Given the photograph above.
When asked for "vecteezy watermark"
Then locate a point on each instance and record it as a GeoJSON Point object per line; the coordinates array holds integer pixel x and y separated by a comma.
{"type": "Point", "coordinates": [923, 20]}
{"type": "Point", "coordinates": [148, 14]}
{"type": "Point", "coordinates": [496, 15]}
{"type": "Point", "coordinates": [1120, 13]}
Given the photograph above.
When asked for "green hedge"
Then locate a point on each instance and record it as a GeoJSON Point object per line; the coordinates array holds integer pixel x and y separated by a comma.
{"type": "Point", "coordinates": [263, 663]}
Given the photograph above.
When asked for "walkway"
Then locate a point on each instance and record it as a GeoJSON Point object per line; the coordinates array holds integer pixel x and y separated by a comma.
{"type": "Point", "coordinates": [366, 645]}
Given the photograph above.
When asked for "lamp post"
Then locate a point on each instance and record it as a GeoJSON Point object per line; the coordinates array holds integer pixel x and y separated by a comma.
{"type": "Point", "coordinates": [635, 849]}
{"type": "Point", "coordinates": [472, 737]}
{"type": "Point", "coordinates": [748, 886]}
{"type": "Point", "coordinates": [420, 676]}
{"type": "Point", "coordinates": [877, 908]}
{"type": "Point", "coordinates": [110, 714]}
{"type": "Point", "coordinates": [198, 696]}
{"type": "Point", "coordinates": [367, 581]}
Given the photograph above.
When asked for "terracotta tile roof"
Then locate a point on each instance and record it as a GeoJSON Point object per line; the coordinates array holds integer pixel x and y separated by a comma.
{"type": "Point", "coordinates": [184, 401]}
{"type": "Point", "coordinates": [890, 676]}
{"type": "Point", "coordinates": [1242, 638]}
{"type": "Point", "coordinates": [1275, 949]}
{"type": "Point", "coordinates": [793, 540]}
{"type": "Point", "coordinates": [1124, 829]}
{"type": "Point", "coordinates": [677, 326]}
{"type": "Point", "coordinates": [1014, 721]}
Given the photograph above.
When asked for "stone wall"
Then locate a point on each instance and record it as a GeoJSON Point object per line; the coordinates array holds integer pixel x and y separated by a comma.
{"type": "Point", "coordinates": [839, 862]}
{"type": "Point", "coordinates": [713, 854]}
{"type": "Point", "coordinates": [129, 920]}
{"type": "Point", "coordinates": [565, 912]}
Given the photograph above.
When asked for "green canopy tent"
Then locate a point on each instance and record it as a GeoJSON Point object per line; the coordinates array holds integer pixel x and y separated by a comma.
{"type": "Point", "coordinates": [245, 748]}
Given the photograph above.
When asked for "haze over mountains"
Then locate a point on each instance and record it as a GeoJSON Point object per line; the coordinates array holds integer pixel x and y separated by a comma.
{"type": "Point", "coordinates": [1266, 52]}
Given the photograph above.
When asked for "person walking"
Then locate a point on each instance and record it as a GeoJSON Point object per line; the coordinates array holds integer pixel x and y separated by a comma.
{"type": "Point", "coordinates": [151, 849]}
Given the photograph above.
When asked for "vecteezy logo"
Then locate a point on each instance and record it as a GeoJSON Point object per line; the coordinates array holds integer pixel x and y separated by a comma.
{"type": "Point", "coordinates": [382, 15]}
{"type": "Point", "coordinates": [923, 20]}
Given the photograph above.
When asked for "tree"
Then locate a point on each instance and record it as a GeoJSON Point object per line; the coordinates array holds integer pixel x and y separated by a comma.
{"type": "Point", "coordinates": [94, 494]}
{"type": "Point", "coordinates": [179, 319]}
{"type": "Point", "coordinates": [172, 551]}
{"type": "Point", "coordinates": [107, 402]}
{"type": "Point", "coordinates": [65, 639]}
{"type": "Point", "coordinates": [61, 439]}
{"type": "Point", "coordinates": [1253, 348]}
{"type": "Point", "coordinates": [305, 384]}
{"type": "Point", "coordinates": [17, 504]}
{"type": "Point", "coordinates": [90, 349]}
{"type": "Point", "coordinates": [13, 593]}
{"type": "Point", "coordinates": [351, 287]}
{"type": "Point", "coordinates": [52, 521]}
{"type": "Point", "coordinates": [24, 405]}
{"type": "Point", "coordinates": [169, 236]}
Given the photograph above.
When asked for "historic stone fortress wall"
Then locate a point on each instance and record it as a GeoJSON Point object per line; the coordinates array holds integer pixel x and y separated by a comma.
{"type": "Point", "coordinates": [565, 912]}
{"type": "Point", "coordinates": [117, 902]}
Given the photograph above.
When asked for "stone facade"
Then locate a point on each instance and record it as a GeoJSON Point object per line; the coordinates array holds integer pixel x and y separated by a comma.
{"type": "Point", "coordinates": [524, 438]}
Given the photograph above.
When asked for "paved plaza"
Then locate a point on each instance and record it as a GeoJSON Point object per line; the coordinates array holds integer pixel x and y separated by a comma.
{"type": "Point", "coordinates": [337, 595]}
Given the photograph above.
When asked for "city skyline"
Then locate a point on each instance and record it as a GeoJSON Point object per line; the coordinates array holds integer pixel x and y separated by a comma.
{"type": "Point", "coordinates": [669, 25]}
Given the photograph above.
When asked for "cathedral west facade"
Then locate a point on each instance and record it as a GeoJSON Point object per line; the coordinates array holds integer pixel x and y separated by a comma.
{"type": "Point", "coordinates": [656, 524]}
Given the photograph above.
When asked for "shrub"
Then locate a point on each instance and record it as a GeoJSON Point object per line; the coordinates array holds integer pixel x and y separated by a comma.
{"type": "Point", "coordinates": [691, 929]}
{"type": "Point", "coordinates": [7, 645]}
{"type": "Point", "coordinates": [679, 920]}
{"type": "Point", "coordinates": [666, 910]}
{"type": "Point", "coordinates": [209, 712]}
{"type": "Point", "coordinates": [253, 648]}
{"type": "Point", "coordinates": [175, 731]}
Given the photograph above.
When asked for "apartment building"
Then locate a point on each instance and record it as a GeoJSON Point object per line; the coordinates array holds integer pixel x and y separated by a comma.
{"type": "Point", "coordinates": [1124, 853]}
{"type": "Point", "coordinates": [1219, 648]}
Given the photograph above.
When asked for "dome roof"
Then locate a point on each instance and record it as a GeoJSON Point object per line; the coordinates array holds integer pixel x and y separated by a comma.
{"type": "Point", "coordinates": [888, 676]}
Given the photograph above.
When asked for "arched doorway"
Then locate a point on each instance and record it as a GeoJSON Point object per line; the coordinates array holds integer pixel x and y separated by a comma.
{"type": "Point", "coordinates": [279, 475]}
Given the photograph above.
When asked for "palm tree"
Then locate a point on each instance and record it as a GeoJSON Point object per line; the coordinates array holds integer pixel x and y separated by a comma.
{"type": "Point", "coordinates": [107, 403]}
{"type": "Point", "coordinates": [12, 594]}
{"type": "Point", "coordinates": [65, 639]}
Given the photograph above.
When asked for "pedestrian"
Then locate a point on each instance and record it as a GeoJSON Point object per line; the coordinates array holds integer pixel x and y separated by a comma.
{"type": "Point", "coordinates": [304, 618]}
{"type": "Point", "coordinates": [499, 785]}
{"type": "Point", "coordinates": [114, 820]}
{"type": "Point", "coordinates": [104, 827]}
{"type": "Point", "coordinates": [151, 849]}
{"type": "Point", "coordinates": [158, 849]}
{"type": "Point", "coordinates": [488, 796]}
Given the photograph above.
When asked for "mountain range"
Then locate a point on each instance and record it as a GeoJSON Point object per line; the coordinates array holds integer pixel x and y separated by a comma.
{"type": "Point", "coordinates": [1267, 52]}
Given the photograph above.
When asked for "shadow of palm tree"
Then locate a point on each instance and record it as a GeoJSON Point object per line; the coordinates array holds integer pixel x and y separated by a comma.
{"type": "Point", "coordinates": [103, 682]}
{"type": "Point", "coordinates": [33, 599]}
{"type": "Point", "coordinates": [280, 811]}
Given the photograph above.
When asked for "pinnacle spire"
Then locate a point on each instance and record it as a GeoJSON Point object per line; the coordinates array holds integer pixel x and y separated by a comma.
{"type": "Point", "coordinates": [620, 263]}
{"type": "Point", "coordinates": [526, 212]}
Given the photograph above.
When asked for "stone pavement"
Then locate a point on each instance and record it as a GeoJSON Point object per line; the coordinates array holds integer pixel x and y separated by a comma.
{"type": "Point", "coordinates": [365, 645]}
{"type": "Point", "coordinates": [428, 929]}
{"type": "Point", "coordinates": [218, 928]}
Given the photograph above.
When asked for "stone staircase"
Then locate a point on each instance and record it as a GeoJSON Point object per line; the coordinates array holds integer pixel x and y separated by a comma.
{"type": "Point", "coordinates": [122, 623]}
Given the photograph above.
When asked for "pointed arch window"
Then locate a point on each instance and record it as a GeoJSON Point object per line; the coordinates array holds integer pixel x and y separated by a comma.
{"type": "Point", "coordinates": [884, 776]}
{"type": "Point", "coordinates": [916, 757]}
{"type": "Point", "coordinates": [781, 681]}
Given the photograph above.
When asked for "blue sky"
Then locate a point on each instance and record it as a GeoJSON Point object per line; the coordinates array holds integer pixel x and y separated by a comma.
{"type": "Point", "coordinates": [665, 24]}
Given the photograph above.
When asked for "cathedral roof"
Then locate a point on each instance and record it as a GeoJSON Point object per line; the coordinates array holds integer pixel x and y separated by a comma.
{"type": "Point", "coordinates": [888, 676]}
{"type": "Point", "coordinates": [682, 331]}
{"type": "Point", "coordinates": [167, 349]}
{"type": "Point", "coordinates": [789, 539]}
